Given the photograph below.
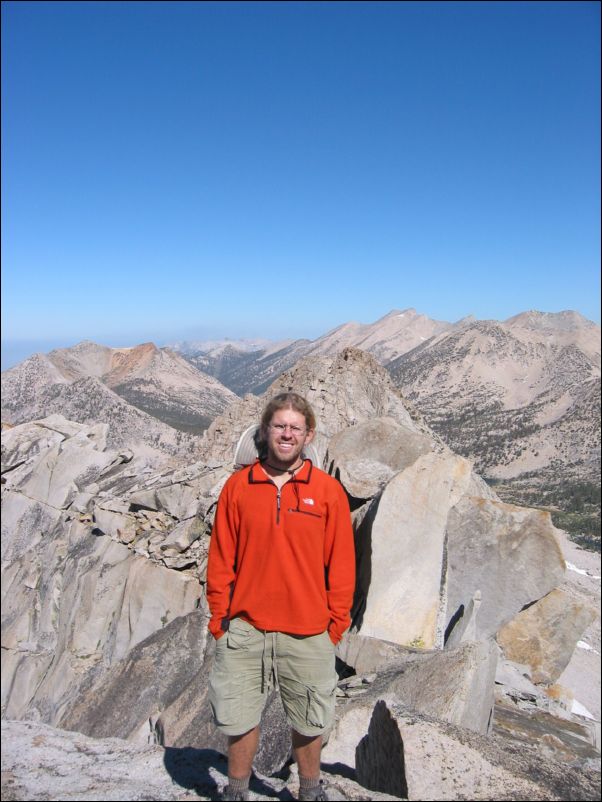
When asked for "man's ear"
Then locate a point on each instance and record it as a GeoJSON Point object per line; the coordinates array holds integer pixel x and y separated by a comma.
{"type": "Point", "coordinates": [310, 435]}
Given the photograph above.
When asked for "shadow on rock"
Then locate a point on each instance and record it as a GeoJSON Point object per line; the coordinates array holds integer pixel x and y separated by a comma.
{"type": "Point", "coordinates": [190, 768]}
{"type": "Point", "coordinates": [340, 770]}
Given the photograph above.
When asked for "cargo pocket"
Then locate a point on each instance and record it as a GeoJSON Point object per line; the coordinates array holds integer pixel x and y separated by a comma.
{"type": "Point", "coordinates": [320, 704]}
{"type": "Point", "coordinates": [226, 692]}
{"type": "Point", "coordinates": [239, 634]}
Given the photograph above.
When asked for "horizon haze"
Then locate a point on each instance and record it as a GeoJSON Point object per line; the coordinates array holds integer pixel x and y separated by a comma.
{"type": "Point", "coordinates": [18, 352]}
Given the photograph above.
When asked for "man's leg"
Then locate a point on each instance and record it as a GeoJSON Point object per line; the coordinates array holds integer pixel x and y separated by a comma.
{"type": "Point", "coordinates": [306, 749]}
{"type": "Point", "coordinates": [237, 693]}
{"type": "Point", "coordinates": [307, 680]}
{"type": "Point", "coordinates": [241, 751]}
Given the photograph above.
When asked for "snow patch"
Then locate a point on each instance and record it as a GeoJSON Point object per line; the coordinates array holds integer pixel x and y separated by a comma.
{"type": "Point", "coordinates": [580, 710]}
{"type": "Point", "coordinates": [581, 644]}
{"type": "Point", "coordinates": [574, 568]}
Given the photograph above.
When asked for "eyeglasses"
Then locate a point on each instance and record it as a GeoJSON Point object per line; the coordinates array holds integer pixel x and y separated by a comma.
{"type": "Point", "coordinates": [280, 428]}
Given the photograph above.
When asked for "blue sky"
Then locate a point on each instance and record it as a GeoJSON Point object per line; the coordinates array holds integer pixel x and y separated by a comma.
{"type": "Point", "coordinates": [194, 170]}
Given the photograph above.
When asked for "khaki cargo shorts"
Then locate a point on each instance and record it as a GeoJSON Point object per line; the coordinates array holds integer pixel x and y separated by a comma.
{"type": "Point", "coordinates": [249, 662]}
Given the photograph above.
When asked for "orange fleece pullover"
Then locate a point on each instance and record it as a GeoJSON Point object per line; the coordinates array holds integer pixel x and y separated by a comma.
{"type": "Point", "coordinates": [282, 560]}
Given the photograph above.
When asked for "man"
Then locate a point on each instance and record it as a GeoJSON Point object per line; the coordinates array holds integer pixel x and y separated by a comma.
{"type": "Point", "coordinates": [280, 581]}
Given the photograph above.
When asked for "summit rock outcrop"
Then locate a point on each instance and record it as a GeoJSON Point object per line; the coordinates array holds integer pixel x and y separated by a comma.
{"type": "Point", "coordinates": [344, 390]}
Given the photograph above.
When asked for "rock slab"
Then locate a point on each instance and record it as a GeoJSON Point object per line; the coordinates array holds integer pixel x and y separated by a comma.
{"type": "Point", "coordinates": [425, 759]}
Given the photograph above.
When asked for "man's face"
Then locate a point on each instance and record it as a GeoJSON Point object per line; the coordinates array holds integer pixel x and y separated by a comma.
{"type": "Point", "coordinates": [286, 444]}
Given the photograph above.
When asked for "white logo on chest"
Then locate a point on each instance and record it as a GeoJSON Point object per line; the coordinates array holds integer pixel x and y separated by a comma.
{"type": "Point", "coordinates": [308, 501]}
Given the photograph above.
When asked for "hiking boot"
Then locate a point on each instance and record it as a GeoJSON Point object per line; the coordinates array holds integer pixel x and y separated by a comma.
{"type": "Point", "coordinates": [317, 794]}
{"type": "Point", "coordinates": [233, 796]}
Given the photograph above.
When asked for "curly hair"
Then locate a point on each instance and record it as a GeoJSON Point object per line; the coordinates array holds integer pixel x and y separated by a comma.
{"type": "Point", "coordinates": [283, 401]}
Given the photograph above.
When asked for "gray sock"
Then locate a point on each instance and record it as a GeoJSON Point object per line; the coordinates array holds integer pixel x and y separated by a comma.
{"type": "Point", "coordinates": [238, 786]}
{"type": "Point", "coordinates": [307, 783]}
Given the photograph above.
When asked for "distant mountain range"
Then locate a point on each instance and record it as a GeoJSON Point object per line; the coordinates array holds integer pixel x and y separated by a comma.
{"type": "Point", "coordinates": [246, 368]}
{"type": "Point", "coordinates": [520, 397]}
{"type": "Point", "coordinates": [148, 394]}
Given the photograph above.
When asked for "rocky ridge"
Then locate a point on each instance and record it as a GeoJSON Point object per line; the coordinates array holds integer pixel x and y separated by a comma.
{"type": "Point", "coordinates": [506, 398]}
{"type": "Point", "coordinates": [156, 381]}
{"type": "Point", "coordinates": [88, 401]}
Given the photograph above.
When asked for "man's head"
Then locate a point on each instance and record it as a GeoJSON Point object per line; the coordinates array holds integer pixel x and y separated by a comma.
{"type": "Point", "coordinates": [287, 424]}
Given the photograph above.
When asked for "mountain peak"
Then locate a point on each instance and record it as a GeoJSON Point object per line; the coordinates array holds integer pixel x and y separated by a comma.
{"type": "Point", "coordinates": [566, 320]}
{"type": "Point", "coordinates": [409, 312]}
